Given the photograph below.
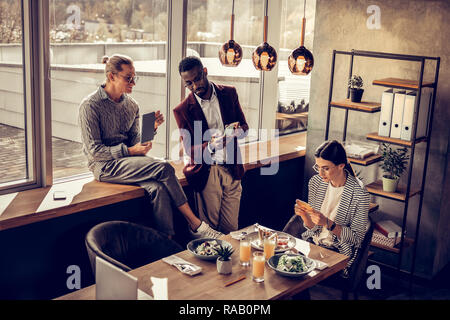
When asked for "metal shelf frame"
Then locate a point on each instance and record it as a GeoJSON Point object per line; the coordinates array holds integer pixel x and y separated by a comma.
{"type": "Point", "coordinates": [420, 84]}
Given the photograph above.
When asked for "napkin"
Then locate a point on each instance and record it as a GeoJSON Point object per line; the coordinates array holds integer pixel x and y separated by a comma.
{"type": "Point", "coordinates": [183, 265]}
{"type": "Point", "coordinates": [159, 288]}
{"type": "Point", "coordinates": [304, 247]}
{"type": "Point", "coordinates": [238, 235]}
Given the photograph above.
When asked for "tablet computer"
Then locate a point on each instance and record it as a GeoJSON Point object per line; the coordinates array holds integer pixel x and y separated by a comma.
{"type": "Point", "coordinates": [148, 127]}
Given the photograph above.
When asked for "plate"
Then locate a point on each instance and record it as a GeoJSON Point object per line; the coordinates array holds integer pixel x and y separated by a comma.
{"type": "Point", "coordinates": [256, 243]}
{"type": "Point", "coordinates": [192, 246]}
{"type": "Point", "coordinates": [273, 262]}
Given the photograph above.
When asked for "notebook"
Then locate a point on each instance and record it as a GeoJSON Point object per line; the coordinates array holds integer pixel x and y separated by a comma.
{"type": "Point", "coordinates": [112, 283]}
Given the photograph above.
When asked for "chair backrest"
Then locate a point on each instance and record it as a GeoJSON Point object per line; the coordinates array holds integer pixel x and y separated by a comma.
{"type": "Point", "coordinates": [359, 265]}
{"type": "Point", "coordinates": [127, 245]}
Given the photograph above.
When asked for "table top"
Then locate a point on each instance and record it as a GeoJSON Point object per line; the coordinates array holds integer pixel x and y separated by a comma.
{"type": "Point", "coordinates": [210, 285]}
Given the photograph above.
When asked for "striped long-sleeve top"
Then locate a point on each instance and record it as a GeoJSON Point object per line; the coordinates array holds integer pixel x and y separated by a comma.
{"type": "Point", "coordinates": [352, 215]}
{"type": "Point", "coordinates": [108, 128]}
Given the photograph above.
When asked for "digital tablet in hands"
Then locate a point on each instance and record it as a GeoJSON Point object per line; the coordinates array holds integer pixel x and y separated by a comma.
{"type": "Point", "coordinates": [148, 127]}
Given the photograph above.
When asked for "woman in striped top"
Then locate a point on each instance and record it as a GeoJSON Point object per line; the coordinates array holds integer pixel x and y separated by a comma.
{"type": "Point", "coordinates": [338, 216]}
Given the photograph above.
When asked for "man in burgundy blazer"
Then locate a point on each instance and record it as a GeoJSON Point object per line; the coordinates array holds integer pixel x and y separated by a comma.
{"type": "Point", "coordinates": [215, 168]}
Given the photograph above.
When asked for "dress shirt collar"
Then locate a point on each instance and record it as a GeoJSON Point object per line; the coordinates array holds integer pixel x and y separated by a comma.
{"type": "Point", "coordinates": [213, 94]}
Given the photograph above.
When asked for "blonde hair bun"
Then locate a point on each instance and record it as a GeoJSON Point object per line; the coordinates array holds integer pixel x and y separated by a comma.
{"type": "Point", "coordinates": [105, 59]}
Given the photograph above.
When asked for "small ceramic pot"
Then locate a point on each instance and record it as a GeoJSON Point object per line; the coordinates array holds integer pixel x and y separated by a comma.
{"type": "Point", "coordinates": [224, 267]}
{"type": "Point", "coordinates": [390, 185]}
{"type": "Point", "coordinates": [356, 94]}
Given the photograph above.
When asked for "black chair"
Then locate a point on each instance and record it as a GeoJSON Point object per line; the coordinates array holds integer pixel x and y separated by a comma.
{"type": "Point", "coordinates": [357, 270]}
{"type": "Point", "coordinates": [127, 245]}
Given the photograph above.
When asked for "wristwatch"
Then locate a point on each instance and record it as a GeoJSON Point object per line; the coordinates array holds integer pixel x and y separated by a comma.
{"type": "Point", "coordinates": [333, 225]}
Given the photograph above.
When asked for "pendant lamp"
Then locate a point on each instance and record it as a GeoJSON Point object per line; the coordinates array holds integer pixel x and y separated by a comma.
{"type": "Point", "coordinates": [301, 60]}
{"type": "Point", "coordinates": [265, 56]}
{"type": "Point", "coordinates": [230, 54]}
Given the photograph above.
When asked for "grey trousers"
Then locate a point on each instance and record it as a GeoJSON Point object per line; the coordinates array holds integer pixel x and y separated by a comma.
{"type": "Point", "coordinates": [218, 203]}
{"type": "Point", "coordinates": [157, 178]}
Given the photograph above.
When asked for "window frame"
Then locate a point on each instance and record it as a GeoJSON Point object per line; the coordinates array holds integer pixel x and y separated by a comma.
{"type": "Point", "coordinates": [37, 88]}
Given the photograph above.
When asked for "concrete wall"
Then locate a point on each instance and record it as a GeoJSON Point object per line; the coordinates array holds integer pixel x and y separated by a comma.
{"type": "Point", "coordinates": [407, 27]}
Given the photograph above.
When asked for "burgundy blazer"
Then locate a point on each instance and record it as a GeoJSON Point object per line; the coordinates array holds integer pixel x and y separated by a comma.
{"type": "Point", "coordinates": [188, 111]}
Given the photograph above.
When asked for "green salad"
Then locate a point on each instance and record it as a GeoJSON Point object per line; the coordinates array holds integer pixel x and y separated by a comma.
{"type": "Point", "coordinates": [291, 263]}
{"type": "Point", "coordinates": [207, 248]}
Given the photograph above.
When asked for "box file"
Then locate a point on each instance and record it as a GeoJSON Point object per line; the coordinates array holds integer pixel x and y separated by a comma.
{"type": "Point", "coordinates": [397, 114]}
{"type": "Point", "coordinates": [387, 99]}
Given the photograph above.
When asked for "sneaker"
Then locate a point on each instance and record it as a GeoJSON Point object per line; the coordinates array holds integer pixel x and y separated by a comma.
{"type": "Point", "coordinates": [205, 231]}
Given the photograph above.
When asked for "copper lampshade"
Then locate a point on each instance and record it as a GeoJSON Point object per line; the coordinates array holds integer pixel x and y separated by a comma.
{"type": "Point", "coordinates": [301, 60]}
{"type": "Point", "coordinates": [230, 54]}
{"type": "Point", "coordinates": [265, 56]}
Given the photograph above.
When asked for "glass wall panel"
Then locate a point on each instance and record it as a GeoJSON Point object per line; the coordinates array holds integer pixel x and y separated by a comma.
{"type": "Point", "coordinates": [81, 33]}
{"type": "Point", "coordinates": [293, 90]}
{"type": "Point", "coordinates": [13, 126]}
{"type": "Point", "coordinates": [208, 27]}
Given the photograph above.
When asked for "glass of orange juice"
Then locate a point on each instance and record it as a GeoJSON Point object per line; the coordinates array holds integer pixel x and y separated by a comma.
{"type": "Point", "coordinates": [245, 251]}
{"type": "Point", "coordinates": [269, 247]}
{"type": "Point", "coordinates": [258, 266]}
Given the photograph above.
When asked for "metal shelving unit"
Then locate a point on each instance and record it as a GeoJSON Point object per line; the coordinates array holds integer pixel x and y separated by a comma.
{"type": "Point", "coordinates": [406, 192]}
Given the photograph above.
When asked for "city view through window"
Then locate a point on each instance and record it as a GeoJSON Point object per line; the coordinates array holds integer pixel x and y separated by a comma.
{"type": "Point", "coordinates": [82, 32]}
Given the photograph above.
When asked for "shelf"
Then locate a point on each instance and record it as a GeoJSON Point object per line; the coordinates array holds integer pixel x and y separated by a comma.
{"type": "Point", "coordinates": [292, 116]}
{"type": "Point", "coordinates": [376, 188]}
{"type": "Point", "coordinates": [407, 243]}
{"type": "Point", "coordinates": [366, 161]}
{"type": "Point", "coordinates": [375, 137]}
{"type": "Point", "coordinates": [401, 83]}
{"type": "Point", "coordinates": [363, 106]}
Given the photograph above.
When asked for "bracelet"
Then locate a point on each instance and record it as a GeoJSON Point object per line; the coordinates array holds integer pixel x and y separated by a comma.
{"type": "Point", "coordinates": [332, 226]}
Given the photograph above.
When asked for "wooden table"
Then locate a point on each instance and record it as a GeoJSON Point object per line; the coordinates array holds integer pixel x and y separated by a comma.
{"type": "Point", "coordinates": [209, 285]}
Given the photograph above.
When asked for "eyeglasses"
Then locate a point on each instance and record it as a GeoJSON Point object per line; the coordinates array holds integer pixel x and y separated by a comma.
{"type": "Point", "coordinates": [317, 168]}
{"type": "Point", "coordinates": [130, 79]}
{"type": "Point", "coordinates": [198, 78]}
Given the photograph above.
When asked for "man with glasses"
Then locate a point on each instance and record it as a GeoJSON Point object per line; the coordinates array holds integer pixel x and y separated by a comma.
{"type": "Point", "coordinates": [215, 167]}
{"type": "Point", "coordinates": [109, 121]}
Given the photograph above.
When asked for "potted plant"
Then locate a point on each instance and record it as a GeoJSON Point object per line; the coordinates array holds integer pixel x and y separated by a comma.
{"type": "Point", "coordinates": [355, 84]}
{"type": "Point", "coordinates": [224, 263]}
{"type": "Point", "coordinates": [393, 165]}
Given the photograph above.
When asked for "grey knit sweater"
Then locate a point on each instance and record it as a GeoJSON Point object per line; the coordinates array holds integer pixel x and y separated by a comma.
{"type": "Point", "coordinates": [108, 128]}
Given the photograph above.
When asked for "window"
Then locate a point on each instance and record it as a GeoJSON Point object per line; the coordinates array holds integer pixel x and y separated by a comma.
{"type": "Point", "coordinates": [39, 133]}
{"type": "Point", "coordinates": [293, 90]}
{"type": "Point", "coordinates": [81, 33]}
{"type": "Point", "coordinates": [208, 27]}
{"type": "Point", "coordinates": [14, 141]}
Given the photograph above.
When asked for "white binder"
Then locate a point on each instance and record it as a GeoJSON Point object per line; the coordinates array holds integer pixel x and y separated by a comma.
{"type": "Point", "coordinates": [408, 116]}
{"type": "Point", "coordinates": [397, 114]}
{"type": "Point", "coordinates": [387, 99]}
{"type": "Point", "coordinates": [422, 125]}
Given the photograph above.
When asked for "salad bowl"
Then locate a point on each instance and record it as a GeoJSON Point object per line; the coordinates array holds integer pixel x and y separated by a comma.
{"type": "Point", "coordinates": [203, 248]}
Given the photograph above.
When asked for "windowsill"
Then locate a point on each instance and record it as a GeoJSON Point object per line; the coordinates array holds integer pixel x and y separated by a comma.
{"type": "Point", "coordinates": [22, 208]}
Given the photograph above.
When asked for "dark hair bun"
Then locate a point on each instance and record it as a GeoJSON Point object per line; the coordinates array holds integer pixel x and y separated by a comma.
{"type": "Point", "coordinates": [105, 59]}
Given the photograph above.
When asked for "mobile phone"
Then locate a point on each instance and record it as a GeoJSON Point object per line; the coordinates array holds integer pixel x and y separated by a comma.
{"type": "Point", "coordinates": [304, 205]}
{"type": "Point", "coordinates": [59, 195]}
{"type": "Point", "coordinates": [230, 128]}
{"type": "Point", "coordinates": [148, 127]}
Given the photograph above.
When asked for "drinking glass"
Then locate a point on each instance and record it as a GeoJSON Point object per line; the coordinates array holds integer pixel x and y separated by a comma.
{"type": "Point", "coordinates": [269, 247]}
{"type": "Point", "coordinates": [245, 251]}
{"type": "Point", "coordinates": [258, 266]}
